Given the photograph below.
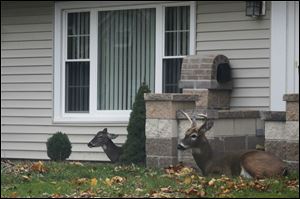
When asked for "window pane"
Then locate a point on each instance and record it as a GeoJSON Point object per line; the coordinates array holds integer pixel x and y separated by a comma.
{"type": "Point", "coordinates": [171, 44]}
{"type": "Point", "coordinates": [177, 20]}
{"type": "Point", "coordinates": [170, 18]}
{"type": "Point", "coordinates": [171, 75]}
{"type": "Point", "coordinates": [77, 86]}
{"type": "Point", "coordinates": [183, 46]}
{"type": "Point", "coordinates": [126, 56]}
{"type": "Point", "coordinates": [78, 35]}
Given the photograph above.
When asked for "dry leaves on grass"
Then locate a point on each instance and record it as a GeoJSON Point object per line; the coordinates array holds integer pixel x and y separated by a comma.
{"type": "Point", "coordinates": [76, 163]}
{"type": "Point", "coordinates": [23, 167]}
{"type": "Point", "coordinates": [115, 180]}
{"type": "Point", "coordinates": [80, 181]}
{"type": "Point", "coordinates": [39, 167]}
{"type": "Point", "coordinates": [164, 192]}
{"type": "Point", "coordinates": [292, 184]}
{"type": "Point", "coordinates": [178, 170]}
{"type": "Point", "coordinates": [89, 193]}
{"type": "Point", "coordinates": [94, 182]}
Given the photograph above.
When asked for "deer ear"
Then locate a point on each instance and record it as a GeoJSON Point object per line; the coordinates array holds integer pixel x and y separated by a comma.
{"type": "Point", "coordinates": [105, 130]}
{"type": "Point", "coordinates": [206, 127]}
{"type": "Point", "coordinates": [112, 136]}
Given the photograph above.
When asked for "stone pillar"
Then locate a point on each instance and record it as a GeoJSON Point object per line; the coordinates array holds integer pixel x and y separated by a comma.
{"type": "Point", "coordinates": [162, 127]}
{"type": "Point", "coordinates": [282, 135]}
{"type": "Point", "coordinates": [292, 129]}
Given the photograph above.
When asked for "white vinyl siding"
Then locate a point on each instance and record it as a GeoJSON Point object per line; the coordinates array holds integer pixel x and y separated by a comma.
{"type": "Point", "coordinates": [27, 73]}
{"type": "Point", "coordinates": [223, 28]}
{"type": "Point", "coordinates": [27, 87]}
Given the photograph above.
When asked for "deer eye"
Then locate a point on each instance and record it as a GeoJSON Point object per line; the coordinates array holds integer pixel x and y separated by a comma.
{"type": "Point", "coordinates": [194, 136]}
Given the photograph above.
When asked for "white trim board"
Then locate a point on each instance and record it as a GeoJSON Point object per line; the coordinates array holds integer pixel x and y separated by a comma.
{"type": "Point", "coordinates": [283, 53]}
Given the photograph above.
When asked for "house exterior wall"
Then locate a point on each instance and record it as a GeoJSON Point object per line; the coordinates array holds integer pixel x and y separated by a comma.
{"type": "Point", "coordinates": [222, 27]}
{"type": "Point", "coordinates": [27, 87]}
{"type": "Point", "coordinates": [27, 73]}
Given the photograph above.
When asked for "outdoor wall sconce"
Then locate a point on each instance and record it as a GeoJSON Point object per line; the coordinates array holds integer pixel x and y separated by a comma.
{"type": "Point", "coordinates": [255, 8]}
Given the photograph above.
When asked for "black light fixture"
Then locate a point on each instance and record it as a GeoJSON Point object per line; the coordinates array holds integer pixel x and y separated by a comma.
{"type": "Point", "coordinates": [255, 8]}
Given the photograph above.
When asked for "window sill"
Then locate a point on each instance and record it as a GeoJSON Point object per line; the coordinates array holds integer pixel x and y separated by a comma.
{"type": "Point", "coordinates": [100, 117]}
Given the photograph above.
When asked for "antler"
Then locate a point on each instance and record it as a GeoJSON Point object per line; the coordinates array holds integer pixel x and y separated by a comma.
{"type": "Point", "coordinates": [187, 116]}
{"type": "Point", "coordinates": [207, 124]}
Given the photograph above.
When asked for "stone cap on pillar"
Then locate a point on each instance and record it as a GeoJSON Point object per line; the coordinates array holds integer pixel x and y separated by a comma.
{"type": "Point", "coordinates": [291, 97]}
{"type": "Point", "coordinates": [170, 97]}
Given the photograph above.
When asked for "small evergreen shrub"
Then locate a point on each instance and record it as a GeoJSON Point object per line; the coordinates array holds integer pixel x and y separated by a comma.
{"type": "Point", "coordinates": [59, 147]}
{"type": "Point", "coordinates": [134, 147]}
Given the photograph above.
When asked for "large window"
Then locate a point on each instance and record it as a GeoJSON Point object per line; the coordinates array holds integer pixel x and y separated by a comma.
{"type": "Point", "coordinates": [103, 54]}
{"type": "Point", "coordinates": [126, 56]}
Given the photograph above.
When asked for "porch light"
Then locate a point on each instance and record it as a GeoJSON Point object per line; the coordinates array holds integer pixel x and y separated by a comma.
{"type": "Point", "coordinates": [255, 8]}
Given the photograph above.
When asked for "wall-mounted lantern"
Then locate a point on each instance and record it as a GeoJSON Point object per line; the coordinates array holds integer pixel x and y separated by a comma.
{"type": "Point", "coordinates": [255, 8]}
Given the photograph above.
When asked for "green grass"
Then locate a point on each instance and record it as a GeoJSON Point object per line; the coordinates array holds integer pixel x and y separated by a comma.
{"type": "Point", "coordinates": [110, 180]}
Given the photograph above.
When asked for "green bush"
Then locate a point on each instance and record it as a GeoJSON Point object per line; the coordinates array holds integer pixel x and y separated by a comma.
{"type": "Point", "coordinates": [134, 147]}
{"type": "Point", "coordinates": [59, 147]}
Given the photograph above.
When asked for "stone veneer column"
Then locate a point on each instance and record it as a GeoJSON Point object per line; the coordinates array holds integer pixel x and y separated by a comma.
{"type": "Point", "coordinates": [162, 127]}
{"type": "Point", "coordinates": [282, 137]}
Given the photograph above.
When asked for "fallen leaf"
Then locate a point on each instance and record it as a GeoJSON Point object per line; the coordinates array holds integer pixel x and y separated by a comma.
{"type": "Point", "coordinates": [94, 182]}
{"type": "Point", "coordinates": [81, 181]}
{"type": "Point", "coordinates": [226, 191]}
{"type": "Point", "coordinates": [161, 195]}
{"type": "Point", "coordinates": [139, 190]}
{"type": "Point", "coordinates": [187, 180]}
{"type": "Point", "coordinates": [87, 193]}
{"type": "Point", "coordinates": [211, 182]}
{"type": "Point", "coordinates": [166, 189]}
{"type": "Point", "coordinates": [39, 167]}
{"type": "Point", "coordinates": [191, 191]}
{"type": "Point", "coordinates": [13, 195]}
{"type": "Point", "coordinates": [108, 182]}
{"type": "Point", "coordinates": [26, 178]}
{"type": "Point", "coordinates": [77, 163]}
{"type": "Point", "coordinates": [56, 195]}
{"type": "Point", "coordinates": [118, 179]}
{"type": "Point", "coordinates": [201, 193]}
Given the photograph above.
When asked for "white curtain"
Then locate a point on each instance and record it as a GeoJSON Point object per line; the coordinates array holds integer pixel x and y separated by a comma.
{"type": "Point", "coordinates": [126, 56]}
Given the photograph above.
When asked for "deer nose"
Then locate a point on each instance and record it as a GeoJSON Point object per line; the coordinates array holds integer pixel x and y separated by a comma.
{"type": "Point", "coordinates": [180, 147]}
{"type": "Point", "coordinates": [90, 145]}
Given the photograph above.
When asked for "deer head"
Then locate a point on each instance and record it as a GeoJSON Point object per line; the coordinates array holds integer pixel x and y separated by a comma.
{"type": "Point", "coordinates": [195, 136]}
{"type": "Point", "coordinates": [101, 138]}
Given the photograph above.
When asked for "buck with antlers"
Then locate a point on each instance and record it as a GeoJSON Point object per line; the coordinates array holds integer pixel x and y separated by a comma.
{"type": "Point", "coordinates": [250, 164]}
{"type": "Point", "coordinates": [104, 139]}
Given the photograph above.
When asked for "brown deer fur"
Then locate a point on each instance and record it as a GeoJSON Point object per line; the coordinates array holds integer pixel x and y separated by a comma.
{"type": "Point", "coordinates": [255, 164]}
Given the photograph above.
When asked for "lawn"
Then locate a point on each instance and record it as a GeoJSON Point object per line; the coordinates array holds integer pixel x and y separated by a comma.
{"type": "Point", "coordinates": [74, 179]}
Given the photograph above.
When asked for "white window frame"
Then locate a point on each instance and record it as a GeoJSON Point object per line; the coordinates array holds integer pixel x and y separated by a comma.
{"type": "Point", "coordinates": [60, 43]}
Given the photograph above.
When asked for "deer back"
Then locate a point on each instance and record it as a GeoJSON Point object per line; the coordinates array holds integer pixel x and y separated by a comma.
{"type": "Point", "coordinates": [261, 164]}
